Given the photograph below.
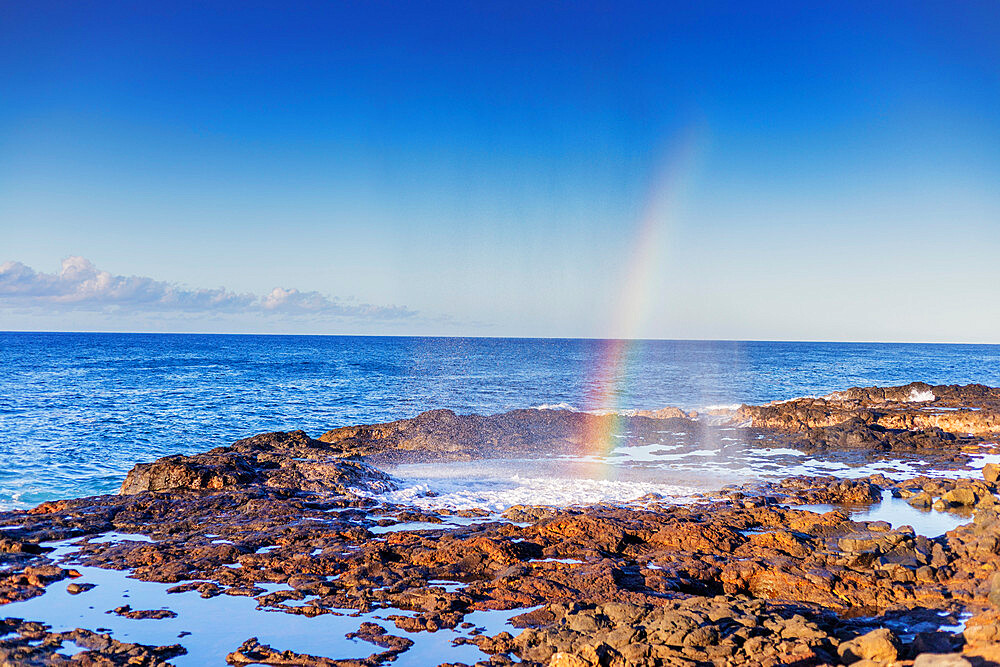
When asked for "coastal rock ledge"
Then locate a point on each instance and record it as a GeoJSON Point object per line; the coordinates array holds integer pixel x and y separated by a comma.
{"type": "Point", "coordinates": [767, 573]}
{"type": "Point", "coordinates": [292, 462]}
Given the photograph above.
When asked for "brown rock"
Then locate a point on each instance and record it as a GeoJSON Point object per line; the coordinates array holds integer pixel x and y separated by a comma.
{"type": "Point", "coordinates": [983, 629]}
{"type": "Point", "coordinates": [991, 472]}
{"type": "Point", "coordinates": [292, 461]}
{"type": "Point", "coordinates": [126, 611]}
{"type": "Point", "coordinates": [77, 588]}
{"type": "Point", "coordinates": [959, 497]}
{"type": "Point", "coordinates": [878, 646]}
{"type": "Point", "coordinates": [568, 660]}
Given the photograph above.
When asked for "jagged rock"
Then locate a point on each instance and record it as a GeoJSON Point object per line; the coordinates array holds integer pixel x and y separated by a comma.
{"type": "Point", "coordinates": [966, 409]}
{"type": "Point", "coordinates": [126, 611]}
{"type": "Point", "coordinates": [879, 646]}
{"type": "Point", "coordinates": [857, 433]}
{"type": "Point", "coordinates": [30, 643]}
{"type": "Point", "coordinates": [12, 546]}
{"type": "Point", "coordinates": [991, 472]}
{"type": "Point", "coordinates": [202, 471]}
{"type": "Point", "coordinates": [291, 461]}
{"type": "Point", "coordinates": [983, 629]}
{"type": "Point", "coordinates": [962, 496]}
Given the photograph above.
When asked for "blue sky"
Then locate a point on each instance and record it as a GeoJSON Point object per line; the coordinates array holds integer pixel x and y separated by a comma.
{"type": "Point", "coordinates": [488, 168]}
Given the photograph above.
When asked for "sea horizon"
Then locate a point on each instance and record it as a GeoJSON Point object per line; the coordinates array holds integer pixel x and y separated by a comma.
{"type": "Point", "coordinates": [472, 336]}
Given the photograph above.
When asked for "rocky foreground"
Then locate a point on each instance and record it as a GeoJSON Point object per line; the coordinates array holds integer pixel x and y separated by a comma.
{"type": "Point", "coordinates": [741, 577]}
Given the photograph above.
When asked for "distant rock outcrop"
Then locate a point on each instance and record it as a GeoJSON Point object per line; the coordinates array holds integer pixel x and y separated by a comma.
{"type": "Point", "coordinates": [967, 410]}
{"type": "Point", "coordinates": [291, 461]}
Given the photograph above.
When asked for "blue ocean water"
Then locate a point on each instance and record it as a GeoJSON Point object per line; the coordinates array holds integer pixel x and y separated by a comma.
{"type": "Point", "coordinates": [77, 410]}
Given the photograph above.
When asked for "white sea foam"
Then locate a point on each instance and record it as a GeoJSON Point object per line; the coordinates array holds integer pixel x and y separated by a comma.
{"type": "Point", "coordinates": [554, 406]}
{"type": "Point", "coordinates": [600, 412]}
{"type": "Point", "coordinates": [674, 477]}
{"type": "Point", "coordinates": [673, 469]}
{"type": "Point", "coordinates": [625, 475]}
{"type": "Point", "coordinates": [920, 396]}
{"type": "Point", "coordinates": [498, 495]}
{"type": "Point", "coordinates": [603, 412]}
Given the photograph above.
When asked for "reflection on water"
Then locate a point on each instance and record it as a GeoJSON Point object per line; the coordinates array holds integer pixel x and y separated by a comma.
{"type": "Point", "coordinates": [212, 628]}
{"type": "Point", "coordinates": [897, 512]}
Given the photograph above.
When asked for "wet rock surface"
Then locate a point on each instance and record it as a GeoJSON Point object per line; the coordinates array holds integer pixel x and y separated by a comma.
{"type": "Point", "coordinates": [916, 407]}
{"type": "Point", "coordinates": [252, 652]}
{"type": "Point", "coordinates": [31, 643]}
{"type": "Point", "coordinates": [741, 577]}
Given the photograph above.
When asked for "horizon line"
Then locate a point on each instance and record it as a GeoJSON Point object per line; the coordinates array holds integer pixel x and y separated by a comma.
{"type": "Point", "coordinates": [443, 337]}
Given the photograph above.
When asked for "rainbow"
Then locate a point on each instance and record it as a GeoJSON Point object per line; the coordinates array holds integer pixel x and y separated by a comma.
{"type": "Point", "coordinates": [609, 375]}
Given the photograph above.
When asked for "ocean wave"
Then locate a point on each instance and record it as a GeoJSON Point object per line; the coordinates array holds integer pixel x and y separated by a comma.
{"type": "Point", "coordinates": [554, 406]}
{"type": "Point", "coordinates": [599, 412]}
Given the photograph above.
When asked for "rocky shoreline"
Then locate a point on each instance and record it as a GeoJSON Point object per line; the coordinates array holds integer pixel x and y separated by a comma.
{"type": "Point", "coordinates": [742, 576]}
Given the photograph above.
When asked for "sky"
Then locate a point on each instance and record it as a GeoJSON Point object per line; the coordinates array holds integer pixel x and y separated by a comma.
{"type": "Point", "coordinates": [774, 170]}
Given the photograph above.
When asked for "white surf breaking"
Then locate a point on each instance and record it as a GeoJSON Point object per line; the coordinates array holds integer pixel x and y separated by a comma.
{"type": "Point", "coordinates": [670, 473]}
{"type": "Point", "coordinates": [925, 396]}
{"type": "Point", "coordinates": [499, 495]}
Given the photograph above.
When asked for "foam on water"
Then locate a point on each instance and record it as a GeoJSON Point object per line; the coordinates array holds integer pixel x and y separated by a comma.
{"type": "Point", "coordinates": [555, 406]}
{"type": "Point", "coordinates": [674, 470]}
{"type": "Point", "coordinates": [466, 493]}
{"type": "Point", "coordinates": [622, 412]}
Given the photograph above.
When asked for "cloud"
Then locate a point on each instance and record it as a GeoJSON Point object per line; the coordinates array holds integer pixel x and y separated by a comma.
{"type": "Point", "coordinates": [81, 285]}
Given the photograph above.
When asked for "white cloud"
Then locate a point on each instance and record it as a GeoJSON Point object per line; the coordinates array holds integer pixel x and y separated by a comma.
{"type": "Point", "coordinates": [81, 285]}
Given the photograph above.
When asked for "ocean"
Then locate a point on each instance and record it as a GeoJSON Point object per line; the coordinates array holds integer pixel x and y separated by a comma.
{"type": "Point", "coordinates": [78, 410]}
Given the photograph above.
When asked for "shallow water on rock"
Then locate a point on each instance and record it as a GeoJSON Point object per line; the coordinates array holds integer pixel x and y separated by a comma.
{"type": "Point", "coordinates": [897, 512]}
{"type": "Point", "coordinates": [217, 626]}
